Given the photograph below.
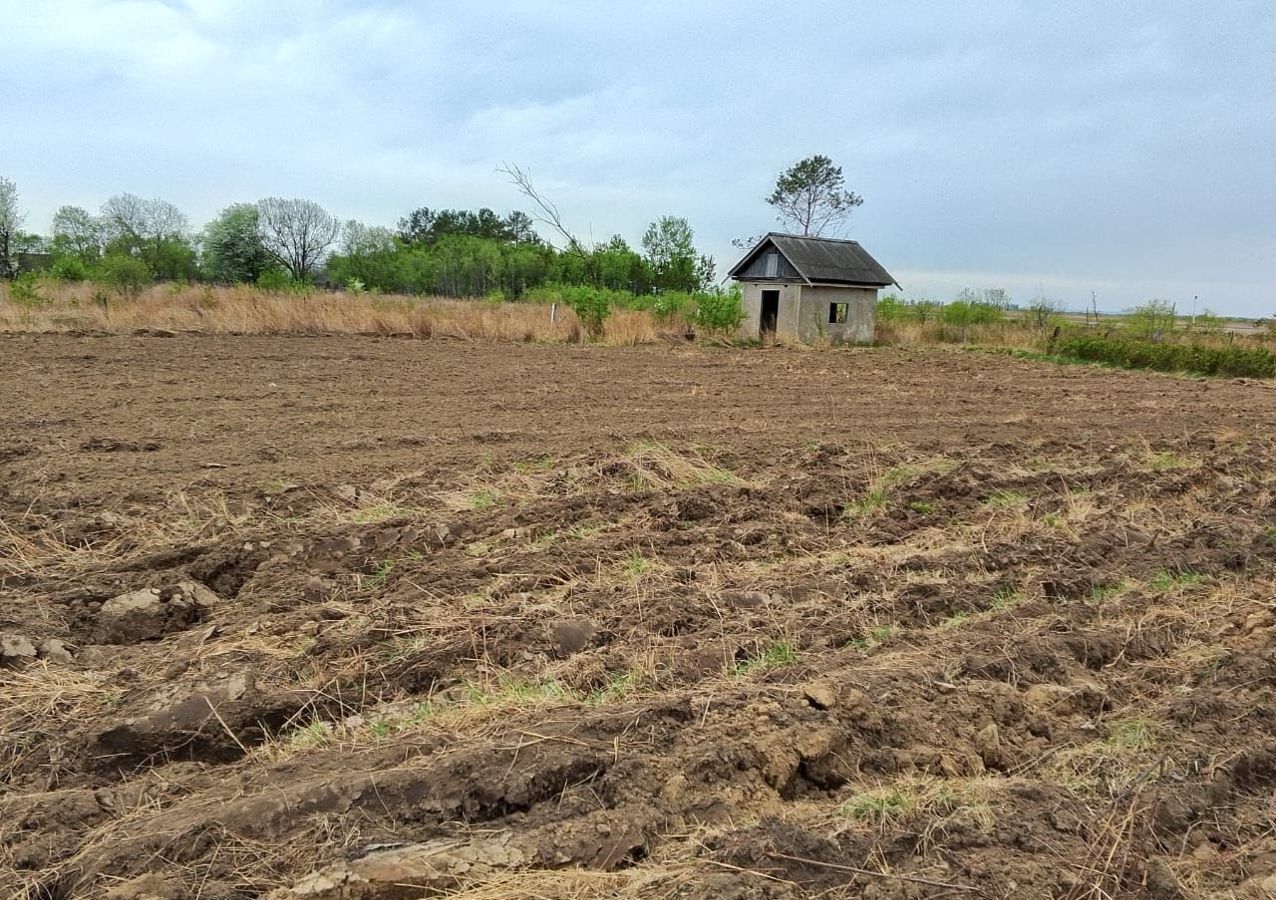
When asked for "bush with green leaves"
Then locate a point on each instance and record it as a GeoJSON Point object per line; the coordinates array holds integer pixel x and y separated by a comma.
{"type": "Point", "coordinates": [719, 312]}
{"type": "Point", "coordinates": [1153, 319]}
{"type": "Point", "coordinates": [891, 308]}
{"type": "Point", "coordinates": [69, 268]}
{"type": "Point", "coordinates": [1253, 362]}
{"type": "Point", "coordinates": [670, 304]}
{"type": "Point", "coordinates": [963, 314]}
{"type": "Point", "coordinates": [127, 274]}
{"type": "Point", "coordinates": [592, 306]}
{"type": "Point", "coordinates": [25, 290]}
{"type": "Point", "coordinates": [277, 281]}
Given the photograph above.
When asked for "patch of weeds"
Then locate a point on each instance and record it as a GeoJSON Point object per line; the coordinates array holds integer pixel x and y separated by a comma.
{"type": "Point", "coordinates": [482, 499]}
{"type": "Point", "coordinates": [953, 621]}
{"type": "Point", "coordinates": [381, 574]}
{"type": "Point", "coordinates": [618, 686]}
{"type": "Point", "coordinates": [1005, 499]}
{"type": "Point", "coordinates": [309, 737]}
{"type": "Point", "coordinates": [1102, 592]}
{"type": "Point", "coordinates": [876, 636]}
{"type": "Point", "coordinates": [515, 692]}
{"type": "Point", "coordinates": [382, 728]}
{"type": "Point", "coordinates": [880, 807]}
{"type": "Point", "coordinates": [636, 566]}
{"type": "Point", "coordinates": [1136, 734]}
{"type": "Point", "coordinates": [1167, 580]}
{"type": "Point", "coordinates": [879, 489]}
{"type": "Point", "coordinates": [1270, 533]}
{"type": "Point", "coordinates": [780, 653]}
{"type": "Point", "coordinates": [538, 464]}
{"type": "Point", "coordinates": [871, 502]}
{"type": "Point", "coordinates": [373, 514]}
{"type": "Point", "coordinates": [1006, 597]}
{"type": "Point", "coordinates": [1167, 460]}
{"type": "Point", "coordinates": [1052, 520]}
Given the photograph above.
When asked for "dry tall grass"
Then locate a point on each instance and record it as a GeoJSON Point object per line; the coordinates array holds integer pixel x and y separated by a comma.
{"type": "Point", "coordinates": [67, 307]}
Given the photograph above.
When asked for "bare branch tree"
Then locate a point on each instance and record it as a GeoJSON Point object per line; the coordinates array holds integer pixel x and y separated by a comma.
{"type": "Point", "coordinates": [297, 233]}
{"type": "Point", "coordinates": [548, 212]}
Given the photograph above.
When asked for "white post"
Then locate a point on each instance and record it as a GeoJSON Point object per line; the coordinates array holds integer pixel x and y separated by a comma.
{"type": "Point", "coordinates": [553, 313]}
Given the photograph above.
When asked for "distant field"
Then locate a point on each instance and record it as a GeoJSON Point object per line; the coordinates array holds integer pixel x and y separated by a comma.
{"type": "Point", "coordinates": [499, 621]}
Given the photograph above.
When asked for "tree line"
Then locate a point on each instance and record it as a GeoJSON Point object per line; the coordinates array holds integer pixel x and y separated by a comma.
{"type": "Point", "coordinates": [450, 252]}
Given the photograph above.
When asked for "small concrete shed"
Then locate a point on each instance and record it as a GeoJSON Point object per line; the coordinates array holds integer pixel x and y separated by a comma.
{"type": "Point", "coordinates": [807, 288]}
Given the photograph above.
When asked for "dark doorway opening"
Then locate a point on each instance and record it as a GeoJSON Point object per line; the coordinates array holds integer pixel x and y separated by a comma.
{"type": "Point", "coordinates": [770, 312]}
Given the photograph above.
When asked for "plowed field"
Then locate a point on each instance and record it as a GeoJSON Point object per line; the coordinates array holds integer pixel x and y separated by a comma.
{"type": "Point", "coordinates": [384, 619]}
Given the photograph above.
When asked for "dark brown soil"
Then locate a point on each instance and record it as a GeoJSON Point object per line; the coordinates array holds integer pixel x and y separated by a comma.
{"type": "Point", "coordinates": [377, 618]}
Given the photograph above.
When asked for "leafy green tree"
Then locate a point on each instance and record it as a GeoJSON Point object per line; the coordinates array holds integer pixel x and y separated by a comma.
{"type": "Point", "coordinates": [670, 250]}
{"type": "Point", "coordinates": [77, 232]}
{"type": "Point", "coordinates": [126, 273]}
{"type": "Point", "coordinates": [232, 251]}
{"type": "Point", "coordinates": [621, 268]}
{"type": "Point", "coordinates": [11, 219]}
{"type": "Point", "coordinates": [811, 196]}
{"type": "Point", "coordinates": [155, 231]}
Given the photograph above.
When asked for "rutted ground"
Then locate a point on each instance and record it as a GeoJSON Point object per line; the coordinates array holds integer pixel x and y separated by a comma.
{"type": "Point", "coordinates": [920, 644]}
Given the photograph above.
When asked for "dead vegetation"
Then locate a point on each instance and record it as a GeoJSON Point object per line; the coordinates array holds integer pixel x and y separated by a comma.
{"type": "Point", "coordinates": [87, 308]}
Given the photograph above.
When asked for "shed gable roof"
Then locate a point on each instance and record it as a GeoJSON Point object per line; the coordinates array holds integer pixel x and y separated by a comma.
{"type": "Point", "coordinates": [821, 260]}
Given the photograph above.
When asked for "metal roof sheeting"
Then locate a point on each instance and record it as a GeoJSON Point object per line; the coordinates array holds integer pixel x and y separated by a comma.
{"type": "Point", "coordinates": [820, 260]}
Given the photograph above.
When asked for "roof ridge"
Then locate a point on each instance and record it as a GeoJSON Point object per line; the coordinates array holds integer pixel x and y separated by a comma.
{"type": "Point", "coordinates": [812, 237]}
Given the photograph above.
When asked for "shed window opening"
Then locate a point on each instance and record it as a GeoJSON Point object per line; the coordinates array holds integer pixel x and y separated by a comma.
{"type": "Point", "coordinates": [837, 313]}
{"type": "Point", "coordinates": [772, 265]}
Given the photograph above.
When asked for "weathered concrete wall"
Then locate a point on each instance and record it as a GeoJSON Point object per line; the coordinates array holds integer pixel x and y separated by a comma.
{"type": "Point", "coordinates": [751, 299]}
{"type": "Point", "coordinates": [813, 321]}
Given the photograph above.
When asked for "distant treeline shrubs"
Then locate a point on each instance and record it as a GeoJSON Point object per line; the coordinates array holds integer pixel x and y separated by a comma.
{"type": "Point", "coordinates": [1253, 362]}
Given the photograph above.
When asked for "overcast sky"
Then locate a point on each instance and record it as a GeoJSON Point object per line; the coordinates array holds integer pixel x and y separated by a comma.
{"type": "Point", "coordinates": [1125, 148]}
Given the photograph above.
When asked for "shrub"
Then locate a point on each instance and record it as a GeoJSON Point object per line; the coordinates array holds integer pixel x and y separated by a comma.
{"type": "Point", "coordinates": [895, 309]}
{"type": "Point", "coordinates": [1255, 362]}
{"type": "Point", "coordinates": [127, 274]}
{"type": "Point", "coordinates": [69, 268]}
{"type": "Point", "coordinates": [25, 290]}
{"type": "Point", "coordinates": [592, 306]}
{"type": "Point", "coordinates": [965, 313]}
{"type": "Point", "coordinates": [719, 313]}
{"type": "Point", "coordinates": [668, 305]}
{"type": "Point", "coordinates": [1152, 319]}
{"type": "Point", "coordinates": [278, 281]}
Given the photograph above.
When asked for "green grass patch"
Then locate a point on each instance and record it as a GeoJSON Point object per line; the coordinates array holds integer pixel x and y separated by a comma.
{"type": "Point", "coordinates": [372, 514]}
{"type": "Point", "coordinates": [1005, 499]}
{"type": "Point", "coordinates": [1169, 580]}
{"type": "Point", "coordinates": [483, 499]}
{"type": "Point", "coordinates": [876, 636]}
{"type": "Point", "coordinates": [780, 653]}
{"type": "Point", "coordinates": [925, 507]}
{"type": "Point", "coordinates": [1167, 460]}
{"type": "Point", "coordinates": [1101, 593]}
{"type": "Point", "coordinates": [1135, 734]}
{"type": "Point", "coordinates": [880, 807]}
